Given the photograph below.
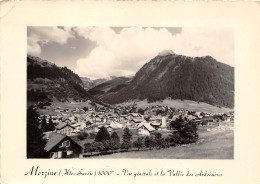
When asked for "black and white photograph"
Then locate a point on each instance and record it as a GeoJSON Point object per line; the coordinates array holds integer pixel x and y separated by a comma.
{"type": "Point", "coordinates": [130, 92]}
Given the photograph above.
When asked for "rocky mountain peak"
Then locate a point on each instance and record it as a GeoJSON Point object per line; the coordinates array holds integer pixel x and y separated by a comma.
{"type": "Point", "coordinates": [166, 52]}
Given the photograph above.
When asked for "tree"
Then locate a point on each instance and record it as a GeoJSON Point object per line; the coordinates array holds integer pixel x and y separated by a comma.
{"type": "Point", "coordinates": [186, 132]}
{"type": "Point", "coordinates": [44, 125]}
{"type": "Point", "coordinates": [189, 132]}
{"type": "Point", "coordinates": [159, 111]}
{"type": "Point", "coordinates": [139, 143]}
{"type": "Point", "coordinates": [147, 118]}
{"type": "Point", "coordinates": [94, 146]}
{"type": "Point", "coordinates": [114, 141]}
{"type": "Point", "coordinates": [158, 135]}
{"type": "Point", "coordinates": [114, 144]}
{"type": "Point", "coordinates": [170, 116]}
{"type": "Point", "coordinates": [88, 147]}
{"type": "Point", "coordinates": [178, 124]}
{"type": "Point", "coordinates": [83, 135]}
{"type": "Point", "coordinates": [115, 136]}
{"type": "Point", "coordinates": [35, 140]}
{"type": "Point", "coordinates": [85, 109]}
{"type": "Point", "coordinates": [106, 145]}
{"type": "Point", "coordinates": [92, 135]}
{"type": "Point", "coordinates": [149, 142]}
{"type": "Point", "coordinates": [158, 140]}
{"type": "Point", "coordinates": [51, 126]}
{"type": "Point", "coordinates": [98, 146]}
{"type": "Point", "coordinates": [175, 138]}
{"type": "Point", "coordinates": [127, 136]}
{"type": "Point", "coordinates": [124, 112]}
{"type": "Point", "coordinates": [141, 111]}
{"type": "Point", "coordinates": [102, 135]}
{"type": "Point", "coordinates": [126, 145]}
{"type": "Point", "coordinates": [165, 143]}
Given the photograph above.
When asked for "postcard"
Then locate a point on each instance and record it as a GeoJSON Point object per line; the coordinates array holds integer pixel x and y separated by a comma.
{"type": "Point", "coordinates": [123, 92]}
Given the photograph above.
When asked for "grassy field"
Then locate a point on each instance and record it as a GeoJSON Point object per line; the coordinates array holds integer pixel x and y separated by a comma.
{"type": "Point", "coordinates": [214, 143]}
{"type": "Point", "coordinates": [185, 104]}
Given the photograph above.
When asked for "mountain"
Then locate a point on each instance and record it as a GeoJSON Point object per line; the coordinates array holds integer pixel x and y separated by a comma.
{"type": "Point", "coordinates": [109, 87]}
{"type": "Point", "coordinates": [201, 79]}
{"type": "Point", "coordinates": [48, 82]}
{"type": "Point", "coordinates": [88, 83]}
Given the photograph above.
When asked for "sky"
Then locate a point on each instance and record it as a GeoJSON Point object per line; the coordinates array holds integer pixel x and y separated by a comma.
{"type": "Point", "coordinates": [101, 52]}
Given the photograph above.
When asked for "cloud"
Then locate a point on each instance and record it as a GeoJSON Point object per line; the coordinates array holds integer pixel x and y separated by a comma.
{"type": "Point", "coordinates": [33, 47]}
{"type": "Point", "coordinates": [38, 36]}
{"type": "Point", "coordinates": [126, 52]}
{"type": "Point", "coordinates": [216, 42]}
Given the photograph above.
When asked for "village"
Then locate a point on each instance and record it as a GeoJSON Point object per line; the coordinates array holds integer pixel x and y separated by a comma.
{"type": "Point", "coordinates": [74, 128]}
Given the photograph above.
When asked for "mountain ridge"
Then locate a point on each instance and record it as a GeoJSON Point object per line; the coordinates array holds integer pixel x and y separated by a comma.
{"type": "Point", "coordinates": [88, 83]}
{"type": "Point", "coordinates": [48, 82]}
{"type": "Point", "coordinates": [180, 77]}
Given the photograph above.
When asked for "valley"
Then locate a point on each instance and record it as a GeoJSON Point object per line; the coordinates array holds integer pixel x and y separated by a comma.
{"type": "Point", "coordinates": [168, 109]}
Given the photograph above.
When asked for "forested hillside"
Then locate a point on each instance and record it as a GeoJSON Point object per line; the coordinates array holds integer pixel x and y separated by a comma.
{"type": "Point", "coordinates": [201, 79]}
{"type": "Point", "coordinates": [48, 82]}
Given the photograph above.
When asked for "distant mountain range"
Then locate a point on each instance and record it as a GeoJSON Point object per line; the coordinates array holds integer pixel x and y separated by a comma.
{"type": "Point", "coordinates": [201, 79]}
{"type": "Point", "coordinates": [88, 83]}
{"type": "Point", "coordinates": [109, 87]}
{"type": "Point", "coordinates": [48, 82]}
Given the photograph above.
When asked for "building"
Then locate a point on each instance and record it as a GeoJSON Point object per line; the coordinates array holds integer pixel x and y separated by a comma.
{"type": "Point", "coordinates": [155, 124]}
{"type": "Point", "coordinates": [134, 123]}
{"type": "Point", "coordinates": [65, 128]}
{"type": "Point", "coordinates": [207, 121]}
{"type": "Point", "coordinates": [135, 115]}
{"type": "Point", "coordinates": [163, 122]}
{"type": "Point", "coordinates": [115, 124]}
{"type": "Point", "coordinates": [145, 129]}
{"type": "Point", "coordinates": [61, 146]}
{"type": "Point", "coordinates": [79, 126]}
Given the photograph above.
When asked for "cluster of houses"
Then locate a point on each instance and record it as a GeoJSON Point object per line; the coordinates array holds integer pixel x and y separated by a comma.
{"type": "Point", "coordinates": [93, 121]}
{"type": "Point", "coordinates": [61, 142]}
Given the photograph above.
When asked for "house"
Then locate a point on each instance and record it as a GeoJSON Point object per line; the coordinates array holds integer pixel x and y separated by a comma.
{"type": "Point", "coordinates": [62, 146]}
{"type": "Point", "coordinates": [114, 124]}
{"type": "Point", "coordinates": [98, 120]}
{"type": "Point", "coordinates": [135, 122]}
{"type": "Point", "coordinates": [108, 127]}
{"type": "Point", "coordinates": [207, 121]}
{"type": "Point", "coordinates": [66, 120]}
{"type": "Point", "coordinates": [227, 118]}
{"type": "Point", "coordinates": [190, 117]}
{"type": "Point", "coordinates": [158, 122]}
{"type": "Point", "coordinates": [89, 122]}
{"type": "Point", "coordinates": [135, 115]}
{"type": "Point", "coordinates": [196, 121]}
{"type": "Point", "coordinates": [197, 113]}
{"type": "Point", "coordinates": [125, 124]}
{"type": "Point", "coordinates": [112, 117]}
{"type": "Point", "coordinates": [123, 117]}
{"type": "Point", "coordinates": [155, 124]}
{"type": "Point", "coordinates": [65, 128]}
{"type": "Point", "coordinates": [163, 125]}
{"type": "Point", "coordinates": [79, 126]}
{"type": "Point", "coordinates": [145, 129]}
{"type": "Point", "coordinates": [55, 120]}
